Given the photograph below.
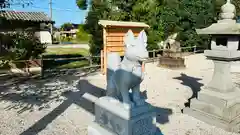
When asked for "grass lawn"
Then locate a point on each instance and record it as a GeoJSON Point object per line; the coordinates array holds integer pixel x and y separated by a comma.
{"type": "Point", "coordinates": [80, 42]}
{"type": "Point", "coordinates": [75, 64]}
{"type": "Point", "coordinates": [65, 51]}
{"type": "Point", "coordinates": [74, 52]}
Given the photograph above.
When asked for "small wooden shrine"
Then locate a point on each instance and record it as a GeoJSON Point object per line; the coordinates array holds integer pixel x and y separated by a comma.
{"type": "Point", "coordinates": [113, 34]}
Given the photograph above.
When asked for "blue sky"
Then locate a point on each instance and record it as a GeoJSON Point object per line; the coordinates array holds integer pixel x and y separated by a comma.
{"type": "Point", "coordinates": [63, 10]}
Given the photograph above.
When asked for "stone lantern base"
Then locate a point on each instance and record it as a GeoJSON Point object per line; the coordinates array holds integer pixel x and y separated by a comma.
{"type": "Point", "coordinates": [218, 103]}
{"type": "Point", "coordinates": [217, 109]}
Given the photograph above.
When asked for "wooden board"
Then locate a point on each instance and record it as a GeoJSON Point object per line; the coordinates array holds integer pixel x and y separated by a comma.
{"type": "Point", "coordinates": [113, 44]}
{"type": "Point", "coordinates": [122, 30]}
{"type": "Point", "coordinates": [117, 32]}
{"type": "Point", "coordinates": [113, 41]}
{"type": "Point", "coordinates": [115, 49]}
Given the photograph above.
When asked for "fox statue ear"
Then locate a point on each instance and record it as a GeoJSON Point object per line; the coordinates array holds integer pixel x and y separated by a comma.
{"type": "Point", "coordinates": [128, 38]}
{"type": "Point", "coordinates": [143, 37]}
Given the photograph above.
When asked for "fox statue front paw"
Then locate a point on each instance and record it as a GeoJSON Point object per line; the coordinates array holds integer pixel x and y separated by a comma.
{"type": "Point", "coordinates": [128, 105]}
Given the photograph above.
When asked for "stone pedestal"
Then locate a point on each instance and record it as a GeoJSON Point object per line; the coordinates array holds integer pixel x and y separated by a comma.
{"type": "Point", "coordinates": [111, 118]}
{"type": "Point", "coordinates": [172, 60]}
{"type": "Point", "coordinates": [217, 109]}
{"type": "Point", "coordinates": [218, 103]}
{"type": "Point", "coordinates": [171, 63]}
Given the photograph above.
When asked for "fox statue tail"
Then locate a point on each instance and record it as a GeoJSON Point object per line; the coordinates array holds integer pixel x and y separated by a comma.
{"type": "Point", "coordinates": [113, 63]}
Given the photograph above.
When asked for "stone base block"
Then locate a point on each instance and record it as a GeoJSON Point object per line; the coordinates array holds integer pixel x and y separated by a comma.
{"type": "Point", "coordinates": [171, 62]}
{"type": "Point", "coordinates": [218, 109]}
{"type": "Point", "coordinates": [114, 118]}
{"type": "Point", "coordinates": [95, 129]}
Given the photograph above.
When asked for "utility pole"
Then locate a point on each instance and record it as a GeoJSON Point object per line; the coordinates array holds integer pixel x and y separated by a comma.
{"type": "Point", "coordinates": [50, 8]}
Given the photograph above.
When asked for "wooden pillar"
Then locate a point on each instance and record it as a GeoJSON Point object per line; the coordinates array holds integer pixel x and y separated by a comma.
{"type": "Point", "coordinates": [102, 59]}
{"type": "Point", "coordinates": [105, 51]}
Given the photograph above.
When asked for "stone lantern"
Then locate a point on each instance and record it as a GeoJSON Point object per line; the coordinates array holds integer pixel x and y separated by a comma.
{"type": "Point", "coordinates": [218, 103]}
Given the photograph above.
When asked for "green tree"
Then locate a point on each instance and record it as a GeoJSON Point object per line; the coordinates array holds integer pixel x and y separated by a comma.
{"type": "Point", "coordinates": [19, 46]}
{"type": "Point", "coordinates": [117, 10]}
{"type": "Point", "coordinates": [142, 11]}
{"type": "Point", "coordinates": [82, 4]}
{"type": "Point", "coordinates": [195, 14]}
{"type": "Point", "coordinates": [8, 3]}
{"type": "Point", "coordinates": [99, 9]}
{"type": "Point", "coordinates": [187, 15]}
{"type": "Point", "coordinates": [237, 5]}
{"type": "Point", "coordinates": [164, 17]}
{"type": "Point", "coordinates": [82, 35]}
{"type": "Point", "coordinates": [66, 26]}
{"type": "Point", "coordinates": [148, 11]}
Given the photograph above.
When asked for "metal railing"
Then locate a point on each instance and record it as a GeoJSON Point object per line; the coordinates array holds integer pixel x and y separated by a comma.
{"type": "Point", "coordinates": [155, 54]}
{"type": "Point", "coordinates": [91, 64]}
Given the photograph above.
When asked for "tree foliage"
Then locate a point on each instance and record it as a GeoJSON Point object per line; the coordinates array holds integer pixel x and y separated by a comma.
{"type": "Point", "coordinates": [82, 4]}
{"type": "Point", "coordinates": [19, 46]}
{"type": "Point", "coordinates": [82, 35]}
{"type": "Point", "coordinates": [99, 10]}
{"type": "Point", "coordinates": [8, 3]}
{"type": "Point", "coordinates": [131, 10]}
{"type": "Point", "coordinates": [148, 11]}
{"type": "Point", "coordinates": [164, 17]}
{"type": "Point", "coordinates": [185, 16]}
{"type": "Point", "coordinates": [66, 26]}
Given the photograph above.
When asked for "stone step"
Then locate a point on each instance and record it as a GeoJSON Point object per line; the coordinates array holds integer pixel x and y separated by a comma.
{"type": "Point", "coordinates": [226, 113]}
{"type": "Point", "coordinates": [206, 107]}
{"type": "Point", "coordinates": [229, 121]}
{"type": "Point", "coordinates": [208, 118]}
{"type": "Point", "coordinates": [218, 99]}
{"type": "Point", "coordinates": [95, 129]}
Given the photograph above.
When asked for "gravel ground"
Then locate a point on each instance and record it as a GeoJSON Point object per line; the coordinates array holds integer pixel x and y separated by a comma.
{"type": "Point", "coordinates": [59, 107]}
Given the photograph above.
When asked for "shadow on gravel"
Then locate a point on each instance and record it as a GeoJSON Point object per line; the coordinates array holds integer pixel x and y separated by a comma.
{"type": "Point", "coordinates": [33, 92]}
{"type": "Point", "coordinates": [71, 98]}
{"type": "Point", "coordinates": [163, 114]}
{"type": "Point", "coordinates": [87, 103]}
{"type": "Point", "coordinates": [191, 82]}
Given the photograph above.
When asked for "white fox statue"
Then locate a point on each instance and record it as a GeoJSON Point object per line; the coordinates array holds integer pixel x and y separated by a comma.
{"type": "Point", "coordinates": [126, 75]}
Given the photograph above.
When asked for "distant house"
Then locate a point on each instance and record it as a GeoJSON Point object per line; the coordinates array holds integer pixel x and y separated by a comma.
{"type": "Point", "coordinates": [70, 31]}
{"type": "Point", "coordinates": [22, 21]}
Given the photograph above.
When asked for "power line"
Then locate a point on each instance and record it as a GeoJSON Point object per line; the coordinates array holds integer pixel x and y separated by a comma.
{"type": "Point", "coordinates": [57, 9]}
{"type": "Point", "coordinates": [46, 8]}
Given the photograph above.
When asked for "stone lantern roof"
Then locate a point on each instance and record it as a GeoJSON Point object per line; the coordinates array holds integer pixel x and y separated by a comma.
{"type": "Point", "coordinates": [226, 25]}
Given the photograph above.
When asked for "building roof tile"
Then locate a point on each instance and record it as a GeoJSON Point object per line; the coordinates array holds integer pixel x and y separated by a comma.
{"type": "Point", "coordinates": [25, 16]}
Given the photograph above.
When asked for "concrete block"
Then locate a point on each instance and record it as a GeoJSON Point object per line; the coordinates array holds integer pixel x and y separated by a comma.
{"type": "Point", "coordinates": [95, 129]}
{"type": "Point", "coordinates": [115, 118]}
{"type": "Point", "coordinates": [205, 107]}
{"type": "Point", "coordinates": [207, 118]}
{"type": "Point", "coordinates": [219, 99]}
{"type": "Point", "coordinates": [226, 117]}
